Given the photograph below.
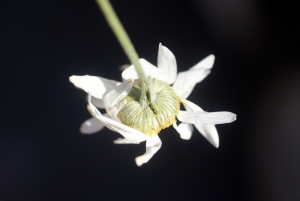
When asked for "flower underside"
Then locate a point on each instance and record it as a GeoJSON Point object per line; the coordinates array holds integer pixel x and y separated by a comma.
{"type": "Point", "coordinates": [156, 115]}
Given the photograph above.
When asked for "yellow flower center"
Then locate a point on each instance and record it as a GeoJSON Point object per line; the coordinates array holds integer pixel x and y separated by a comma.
{"type": "Point", "coordinates": [155, 116]}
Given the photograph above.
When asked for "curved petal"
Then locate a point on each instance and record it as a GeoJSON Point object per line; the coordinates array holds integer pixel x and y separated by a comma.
{"type": "Point", "coordinates": [185, 130]}
{"type": "Point", "coordinates": [97, 86]}
{"type": "Point", "coordinates": [149, 69]}
{"type": "Point", "coordinates": [190, 106]}
{"type": "Point", "coordinates": [208, 131]}
{"type": "Point", "coordinates": [166, 61]}
{"type": "Point", "coordinates": [127, 132]}
{"type": "Point", "coordinates": [120, 105]}
{"type": "Point", "coordinates": [95, 112]}
{"type": "Point", "coordinates": [116, 95]}
{"type": "Point", "coordinates": [97, 102]}
{"type": "Point", "coordinates": [153, 144]}
{"type": "Point", "coordinates": [113, 111]}
{"type": "Point", "coordinates": [114, 114]}
{"type": "Point", "coordinates": [186, 81]}
{"type": "Point", "coordinates": [91, 126]}
{"type": "Point", "coordinates": [206, 118]}
{"type": "Point", "coordinates": [206, 63]}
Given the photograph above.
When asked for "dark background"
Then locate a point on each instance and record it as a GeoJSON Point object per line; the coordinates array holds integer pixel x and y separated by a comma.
{"type": "Point", "coordinates": [256, 75]}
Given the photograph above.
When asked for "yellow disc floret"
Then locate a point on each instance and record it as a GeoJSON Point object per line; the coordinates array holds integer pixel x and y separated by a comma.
{"type": "Point", "coordinates": [155, 116]}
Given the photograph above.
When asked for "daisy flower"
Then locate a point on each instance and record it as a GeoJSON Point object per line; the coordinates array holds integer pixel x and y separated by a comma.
{"type": "Point", "coordinates": [138, 122]}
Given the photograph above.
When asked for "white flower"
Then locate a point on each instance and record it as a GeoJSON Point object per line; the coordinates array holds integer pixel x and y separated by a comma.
{"type": "Point", "coordinates": [110, 95]}
{"type": "Point", "coordinates": [183, 85]}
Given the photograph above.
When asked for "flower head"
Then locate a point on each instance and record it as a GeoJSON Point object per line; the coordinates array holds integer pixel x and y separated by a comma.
{"type": "Point", "coordinates": [137, 122]}
{"type": "Point", "coordinates": [156, 115]}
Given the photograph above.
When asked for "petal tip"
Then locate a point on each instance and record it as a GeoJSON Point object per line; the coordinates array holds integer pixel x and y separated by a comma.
{"type": "Point", "coordinates": [72, 78]}
{"type": "Point", "coordinates": [235, 117]}
{"type": "Point", "coordinates": [83, 131]}
{"type": "Point", "coordinates": [139, 161]}
{"type": "Point", "coordinates": [216, 144]}
{"type": "Point", "coordinates": [162, 47]}
{"type": "Point", "coordinates": [211, 58]}
{"type": "Point", "coordinates": [185, 138]}
{"type": "Point", "coordinates": [232, 118]}
{"type": "Point", "coordinates": [90, 126]}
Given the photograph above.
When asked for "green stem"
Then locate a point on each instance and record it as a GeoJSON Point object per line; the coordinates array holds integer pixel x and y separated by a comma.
{"type": "Point", "coordinates": [128, 48]}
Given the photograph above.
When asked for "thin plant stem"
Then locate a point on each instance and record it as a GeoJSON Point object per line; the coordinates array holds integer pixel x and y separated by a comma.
{"type": "Point", "coordinates": [128, 48]}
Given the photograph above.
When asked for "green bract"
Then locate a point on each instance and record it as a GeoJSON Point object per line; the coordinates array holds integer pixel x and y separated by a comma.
{"type": "Point", "coordinates": [155, 116]}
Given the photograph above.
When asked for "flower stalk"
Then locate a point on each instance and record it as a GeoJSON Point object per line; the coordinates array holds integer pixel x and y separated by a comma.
{"type": "Point", "coordinates": [119, 31]}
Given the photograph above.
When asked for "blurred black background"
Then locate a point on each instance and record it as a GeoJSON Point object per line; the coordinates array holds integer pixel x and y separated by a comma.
{"type": "Point", "coordinates": [256, 75]}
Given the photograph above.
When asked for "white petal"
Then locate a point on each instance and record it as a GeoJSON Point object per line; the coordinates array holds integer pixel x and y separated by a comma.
{"type": "Point", "coordinates": [123, 67]}
{"type": "Point", "coordinates": [208, 131]}
{"type": "Point", "coordinates": [206, 63]}
{"type": "Point", "coordinates": [213, 118]}
{"type": "Point", "coordinates": [117, 94]}
{"type": "Point", "coordinates": [114, 114]}
{"type": "Point", "coordinates": [186, 81]}
{"type": "Point", "coordinates": [185, 130]}
{"type": "Point", "coordinates": [124, 141]}
{"type": "Point", "coordinates": [189, 116]}
{"type": "Point", "coordinates": [91, 126]}
{"type": "Point", "coordinates": [120, 105]}
{"type": "Point", "coordinates": [97, 86]}
{"type": "Point", "coordinates": [97, 102]}
{"type": "Point", "coordinates": [206, 118]}
{"type": "Point", "coordinates": [190, 106]}
{"type": "Point", "coordinates": [153, 144]}
{"type": "Point", "coordinates": [167, 63]}
{"type": "Point", "coordinates": [127, 132]}
{"type": "Point", "coordinates": [95, 113]}
{"type": "Point", "coordinates": [149, 69]}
